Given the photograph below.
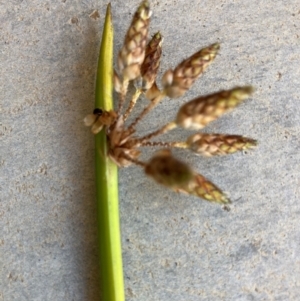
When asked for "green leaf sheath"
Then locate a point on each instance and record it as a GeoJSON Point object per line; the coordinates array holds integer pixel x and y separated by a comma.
{"type": "Point", "coordinates": [109, 238]}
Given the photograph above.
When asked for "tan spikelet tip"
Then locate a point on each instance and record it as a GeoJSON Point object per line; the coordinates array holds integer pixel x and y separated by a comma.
{"type": "Point", "coordinates": [144, 10]}
{"type": "Point", "coordinates": [242, 92]}
{"type": "Point", "coordinates": [208, 191]}
{"type": "Point", "coordinates": [215, 47]}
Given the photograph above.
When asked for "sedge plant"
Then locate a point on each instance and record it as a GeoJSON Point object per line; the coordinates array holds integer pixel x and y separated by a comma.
{"type": "Point", "coordinates": [118, 145]}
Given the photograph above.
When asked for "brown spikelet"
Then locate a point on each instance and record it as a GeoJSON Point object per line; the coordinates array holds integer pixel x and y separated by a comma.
{"type": "Point", "coordinates": [177, 82]}
{"type": "Point", "coordinates": [168, 171]}
{"type": "Point", "coordinates": [197, 113]}
{"type": "Point", "coordinates": [132, 54]}
{"type": "Point", "coordinates": [151, 62]}
{"type": "Point", "coordinates": [218, 144]}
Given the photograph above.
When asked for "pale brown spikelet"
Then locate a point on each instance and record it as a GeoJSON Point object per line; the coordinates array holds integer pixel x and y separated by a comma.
{"type": "Point", "coordinates": [178, 81]}
{"type": "Point", "coordinates": [218, 144]}
{"type": "Point", "coordinates": [197, 113]}
{"type": "Point", "coordinates": [151, 62]}
{"type": "Point", "coordinates": [132, 54]}
{"type": "Point", "coordinates": [168, 171]}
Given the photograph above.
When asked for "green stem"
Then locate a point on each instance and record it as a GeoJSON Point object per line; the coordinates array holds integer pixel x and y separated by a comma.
{"type": "Point", "coordinates": [109, 238]}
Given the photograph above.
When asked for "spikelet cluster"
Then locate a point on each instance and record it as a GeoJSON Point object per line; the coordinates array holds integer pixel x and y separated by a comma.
{"type": "Point", "coordinates": [138, 61]}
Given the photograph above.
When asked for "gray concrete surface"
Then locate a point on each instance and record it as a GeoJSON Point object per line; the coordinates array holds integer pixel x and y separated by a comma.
{"type": "Point", "coordinates": [175, 247]}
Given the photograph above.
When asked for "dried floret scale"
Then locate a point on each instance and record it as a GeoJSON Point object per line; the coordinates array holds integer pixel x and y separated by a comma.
{"type": "Point", "coordinates": [139, 61]}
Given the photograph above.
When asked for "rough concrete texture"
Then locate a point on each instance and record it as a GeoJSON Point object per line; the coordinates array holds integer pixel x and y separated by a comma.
{"type": "Point", "coordinates": [175, 247]}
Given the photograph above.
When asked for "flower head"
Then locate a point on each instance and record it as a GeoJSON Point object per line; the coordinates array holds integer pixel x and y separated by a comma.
{"type": "Point", "coordinates": [139, 62]}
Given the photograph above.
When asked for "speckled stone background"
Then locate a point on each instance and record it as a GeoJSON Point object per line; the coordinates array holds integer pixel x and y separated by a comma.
{"type": "Point", "coordinates": [175, 247]}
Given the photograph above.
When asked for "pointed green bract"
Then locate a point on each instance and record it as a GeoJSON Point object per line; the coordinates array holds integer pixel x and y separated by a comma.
{"type": "Point", "coordinates": [110, 254]}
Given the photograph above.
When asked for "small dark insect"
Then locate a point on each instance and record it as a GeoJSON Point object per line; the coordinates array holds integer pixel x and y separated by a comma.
{"type": "Point", "coordinates": [226, 208]}
{"type": "Point", "coordinates": [98, 112]}
{"type": "Point", "coordinates": [138, 61]}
